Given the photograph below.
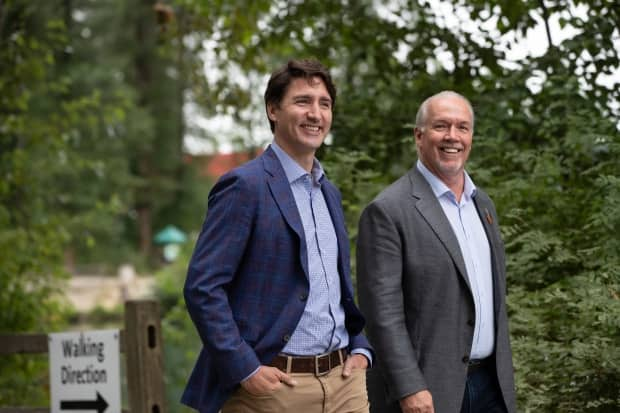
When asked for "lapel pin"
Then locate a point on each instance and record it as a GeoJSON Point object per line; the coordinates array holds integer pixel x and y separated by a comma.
{"type": "Point", "coordinates": [488, 216]}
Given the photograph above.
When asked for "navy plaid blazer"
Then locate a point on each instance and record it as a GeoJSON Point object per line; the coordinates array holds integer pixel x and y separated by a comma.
{"type": "Point", "coordinates": [248, 278]}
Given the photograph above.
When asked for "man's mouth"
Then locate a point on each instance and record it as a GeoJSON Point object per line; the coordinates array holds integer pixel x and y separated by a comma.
{"type": "Point", "coordinates": [311, 128]}
{"type": "Point", "coordinates": [451, 150]}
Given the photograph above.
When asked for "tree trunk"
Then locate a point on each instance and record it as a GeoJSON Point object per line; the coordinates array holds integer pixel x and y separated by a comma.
{"type": "Point", "coordinates": [146, 232]}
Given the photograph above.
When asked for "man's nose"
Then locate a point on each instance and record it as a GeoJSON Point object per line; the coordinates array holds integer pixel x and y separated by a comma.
{"type": "Point", "coordinates": [314, 110]}
{"type": "Point", "coordinates": [453, 132]}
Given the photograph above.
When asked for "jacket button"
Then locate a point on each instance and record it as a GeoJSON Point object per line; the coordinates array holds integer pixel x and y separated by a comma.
{"type": "Point", "coordinates": [286, 338]}
{"type": "Point", "coordinates": [303, 296]}
{"type": "Point", "coordinates": [465, 359]}
{"type": "Point", "coordinates": [470, 323]}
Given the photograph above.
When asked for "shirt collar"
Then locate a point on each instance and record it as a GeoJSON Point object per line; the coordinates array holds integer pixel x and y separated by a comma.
{"type": "Point", "coordinates": [439, 188]}
{"type": "Point", "coordinates": [293, 170]}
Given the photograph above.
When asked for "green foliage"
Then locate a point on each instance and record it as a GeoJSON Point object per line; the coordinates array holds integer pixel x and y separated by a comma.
{"type": "Point", "coordinates": [182, 345]}
{"type": "Point", "coordinates": [358, 182]}
{"type": "Point", "coordinates": [181, 341]}
{"type": "Point", "coordinates": [564, 278]}
{"type": "Point", "coordinates": [31, 236]}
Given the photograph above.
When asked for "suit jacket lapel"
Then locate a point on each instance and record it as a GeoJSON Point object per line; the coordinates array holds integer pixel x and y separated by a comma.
{"type": "Point", "coordinates": [283, 196]}
{"type": "Point", "coordinates": [429, 207]}
{"type": "Point", "coordinates": [335, 211]}
{"type": "Point", "coordinates": [484, 211]}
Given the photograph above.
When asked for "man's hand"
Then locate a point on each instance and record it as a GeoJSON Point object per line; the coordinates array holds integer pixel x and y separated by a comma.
{"type": "Point", "coordinates": [266, 380]}
{"type": "Point", "coordinates": [420, 402]}
{"type": "Point", "coordinates": [355, 361]}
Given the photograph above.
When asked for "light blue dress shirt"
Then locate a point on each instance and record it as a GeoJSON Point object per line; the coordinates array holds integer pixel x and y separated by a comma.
{"type": "Point", "coordinates": [476, 252]}
{"type": "Point", "coordinates": [321, 328]}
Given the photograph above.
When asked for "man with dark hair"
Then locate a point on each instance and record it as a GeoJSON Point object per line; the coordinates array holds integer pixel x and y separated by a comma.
{"type": "Point", "coordinates": [268, 286]}
{"type": "Point", "coordinates": [432, 279]}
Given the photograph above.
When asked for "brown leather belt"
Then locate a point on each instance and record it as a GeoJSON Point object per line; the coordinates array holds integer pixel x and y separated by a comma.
{"type": "Point", "coordinates": [318, 365]}
{"type": "Point", "coordinates": [475, 365]}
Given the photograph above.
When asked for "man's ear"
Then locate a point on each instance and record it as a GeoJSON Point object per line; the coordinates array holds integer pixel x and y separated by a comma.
{"type": "Point", "coordinates": [417, 132]}
{"type": "Point", "coordinates": [271, 111]}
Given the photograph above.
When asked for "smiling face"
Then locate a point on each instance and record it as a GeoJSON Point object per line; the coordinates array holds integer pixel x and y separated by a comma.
{"type": "Point", "coordinates": [302, 119]}
{"type": "Point", "coordinates": [445, 137]}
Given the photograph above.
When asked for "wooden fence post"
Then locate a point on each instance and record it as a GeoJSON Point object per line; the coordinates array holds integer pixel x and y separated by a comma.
{"type": "Point", "coordinates": [144, 355]}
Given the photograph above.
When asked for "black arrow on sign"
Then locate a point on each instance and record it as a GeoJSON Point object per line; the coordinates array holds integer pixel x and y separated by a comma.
{"type": "Point", "coordinates": [100, 404]}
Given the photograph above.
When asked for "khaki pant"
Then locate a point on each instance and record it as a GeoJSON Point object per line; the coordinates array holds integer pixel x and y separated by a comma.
{"type": "Point", "coordinates": [330, 393]}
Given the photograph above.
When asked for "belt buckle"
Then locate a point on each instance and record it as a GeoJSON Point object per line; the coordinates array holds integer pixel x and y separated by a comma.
{"type": "Point", "coordinates": [317, 369]}
{"type": "Point", "coordinates": [474, 365]}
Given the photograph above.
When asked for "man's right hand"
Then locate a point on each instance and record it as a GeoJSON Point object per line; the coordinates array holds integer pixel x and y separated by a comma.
{"type": "Point", "coordinates": [266, 380]}
{"type": "Point", "coordinates": [420, 402]}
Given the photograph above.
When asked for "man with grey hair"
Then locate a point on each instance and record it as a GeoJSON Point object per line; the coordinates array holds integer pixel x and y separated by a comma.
{"type": "Point", "coordinates": [432, 279]}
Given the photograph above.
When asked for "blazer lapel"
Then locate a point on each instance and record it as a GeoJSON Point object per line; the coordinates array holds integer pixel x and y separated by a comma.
{"type": "Point", "coordinates": [488, 222]}
{"type": "Point", "coordinates": [283, 196]}
{"type": "Point", "coordinates": [429, 207]}
{"type": "Point", "coordinates": [335, 211]}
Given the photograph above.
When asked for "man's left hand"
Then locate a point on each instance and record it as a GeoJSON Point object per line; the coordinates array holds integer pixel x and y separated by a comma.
{"type": "Point", "coordinates": [354, 361]}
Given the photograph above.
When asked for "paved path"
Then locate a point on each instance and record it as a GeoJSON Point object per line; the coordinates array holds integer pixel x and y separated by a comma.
{"type": "Point", "coordinates": [87, 292]}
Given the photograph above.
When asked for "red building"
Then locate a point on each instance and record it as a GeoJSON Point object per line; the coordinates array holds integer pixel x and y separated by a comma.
{"type": "Point", "coordinates": [215, 165]}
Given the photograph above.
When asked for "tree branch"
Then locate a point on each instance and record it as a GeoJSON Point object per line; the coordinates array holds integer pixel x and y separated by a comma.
{"type": "Point", "coordinates": [545, 13]}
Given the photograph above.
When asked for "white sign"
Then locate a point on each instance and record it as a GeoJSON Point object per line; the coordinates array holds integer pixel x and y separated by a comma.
{"type": "Point", "coordinates": [85, 372]}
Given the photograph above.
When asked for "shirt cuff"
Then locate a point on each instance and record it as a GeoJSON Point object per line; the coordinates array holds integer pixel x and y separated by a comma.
{"type": "Point", "coordinates": [251, 374]}
{"type": "Point", "coordinates": [364, 352]}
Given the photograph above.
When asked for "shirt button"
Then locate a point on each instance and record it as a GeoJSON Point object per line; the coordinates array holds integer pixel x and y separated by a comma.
{"type": "Point", "coordinates": [286, 338]}
{"type": "Point", "coordinates": [465, 359]}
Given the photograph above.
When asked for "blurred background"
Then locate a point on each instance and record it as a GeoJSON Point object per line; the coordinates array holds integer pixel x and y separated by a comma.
{"type": "Point", "coordinates": [116, 117]}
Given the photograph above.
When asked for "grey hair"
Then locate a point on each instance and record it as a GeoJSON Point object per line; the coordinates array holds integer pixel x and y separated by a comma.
{"type": "Point", "coordinates": [420, 118]}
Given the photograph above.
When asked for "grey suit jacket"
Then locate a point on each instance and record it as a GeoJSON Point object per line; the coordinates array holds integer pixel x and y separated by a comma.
{"type": "Point", "coordinates": [415, 294]}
